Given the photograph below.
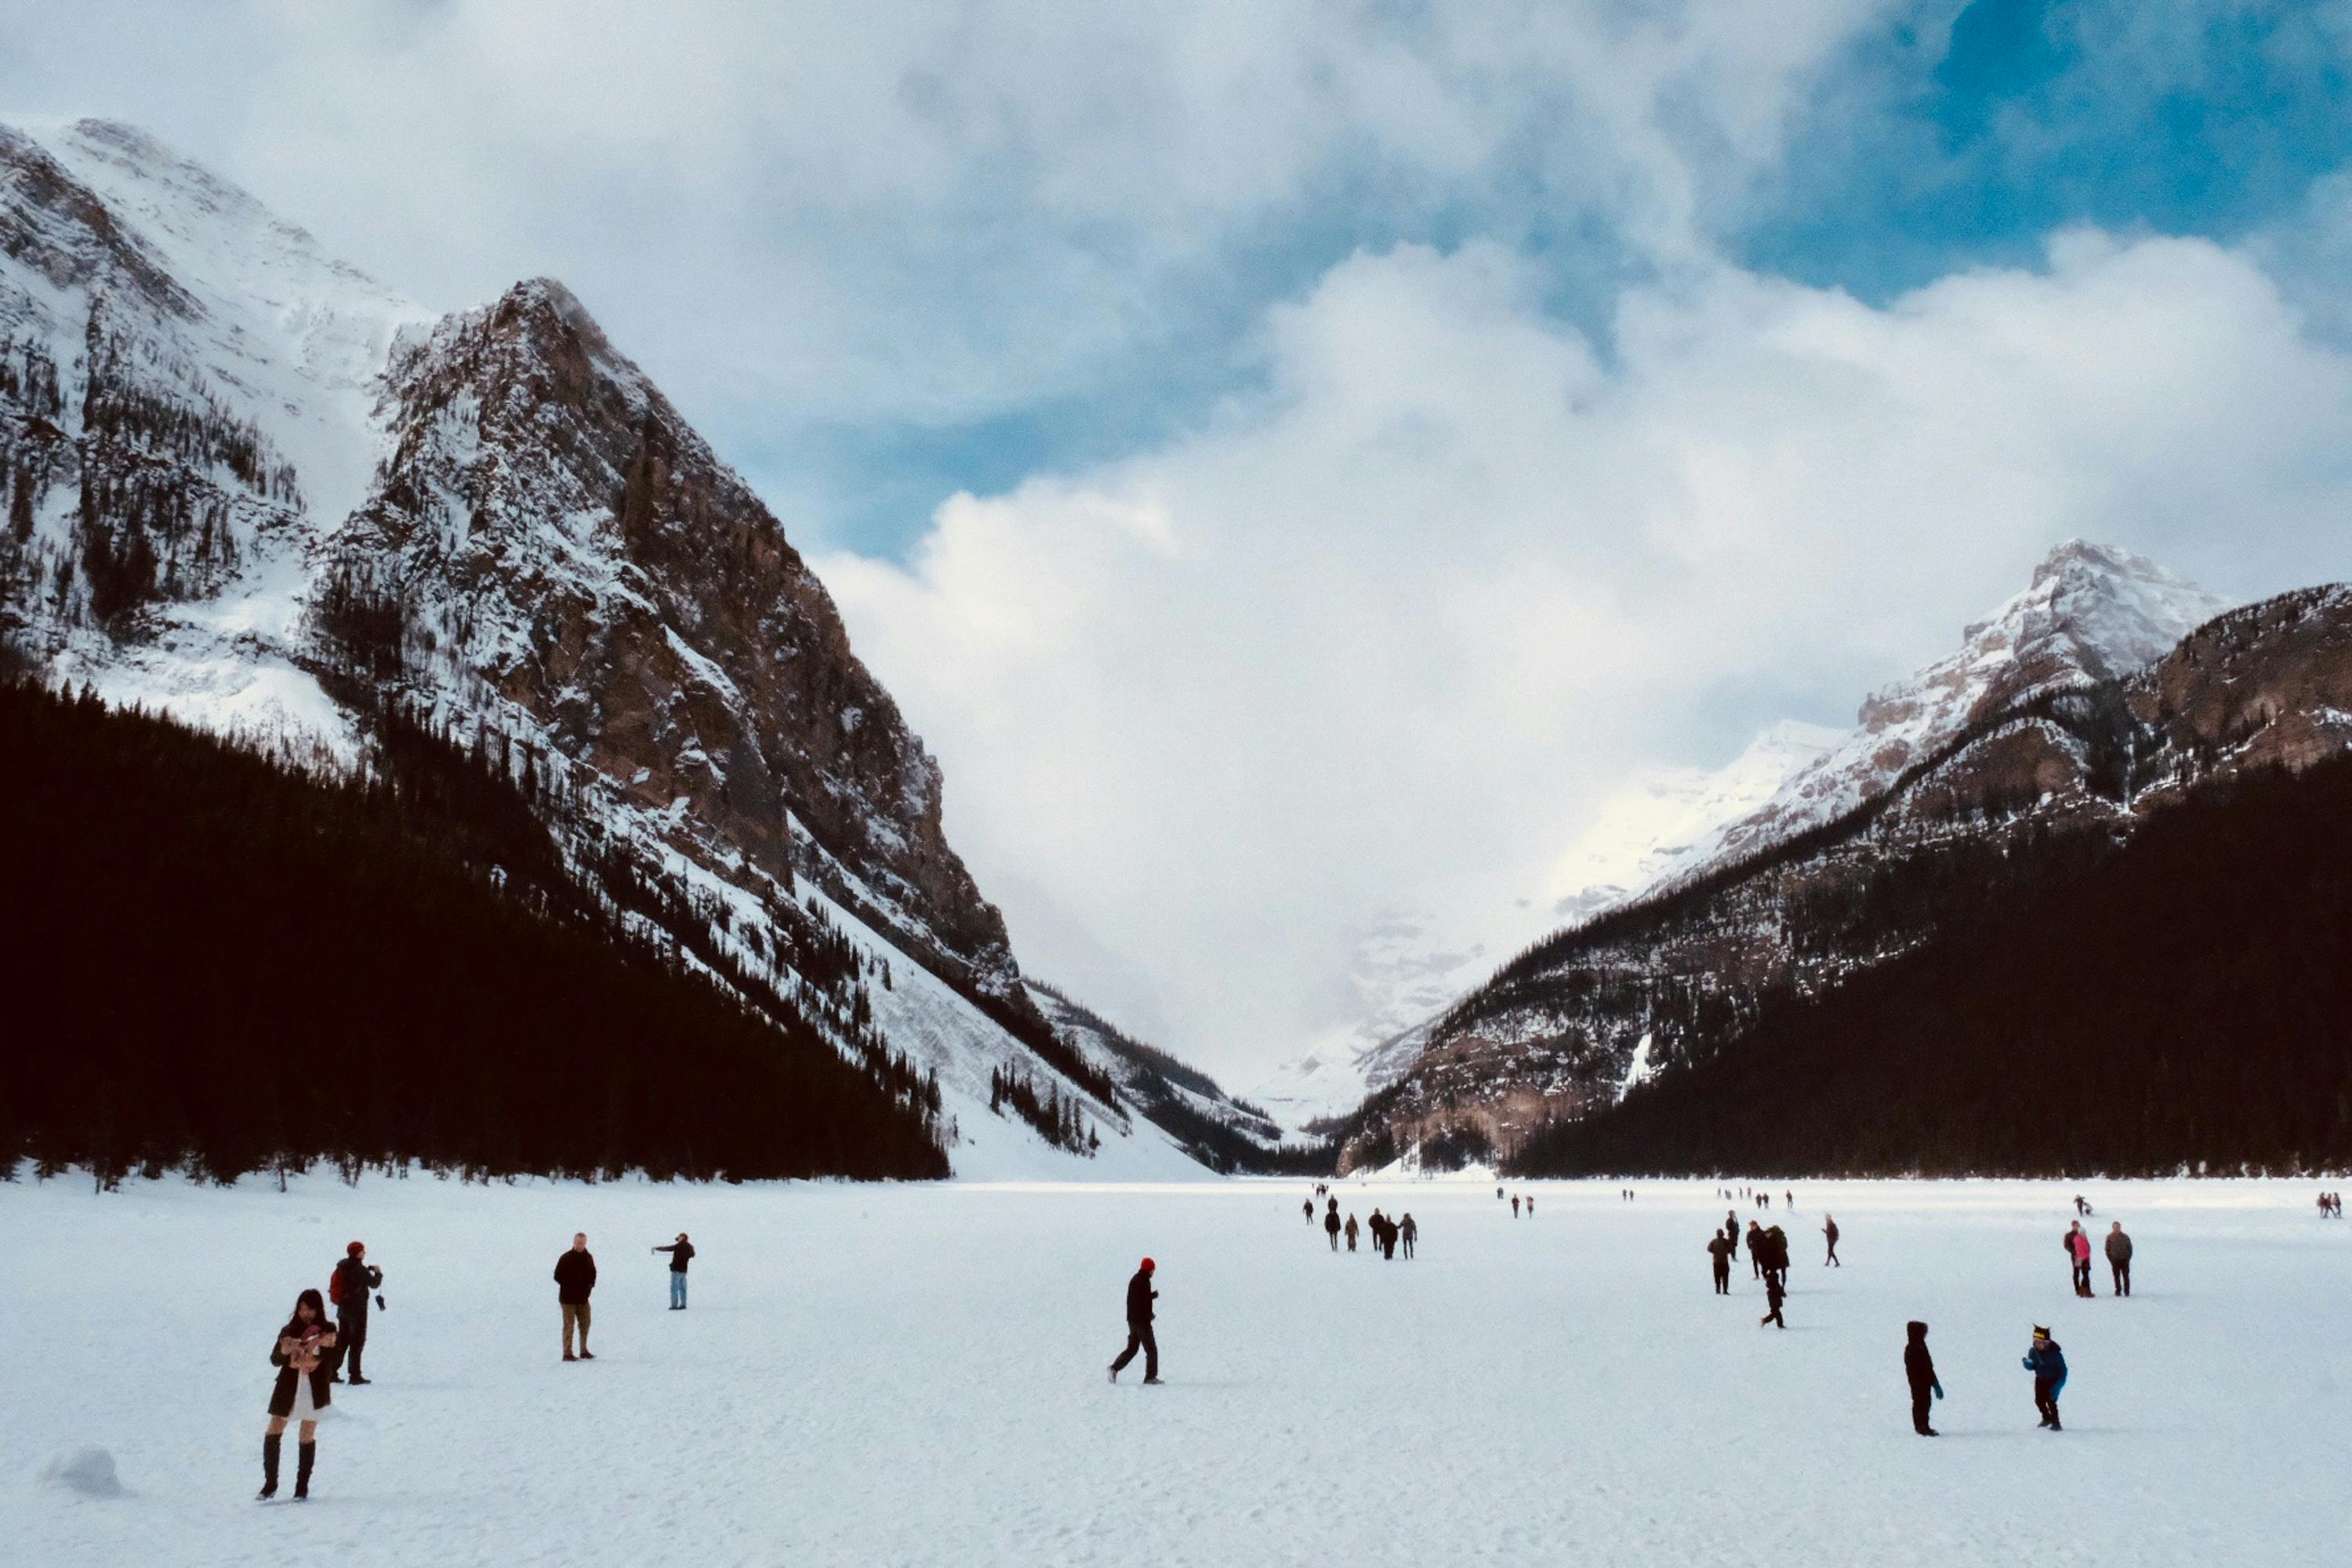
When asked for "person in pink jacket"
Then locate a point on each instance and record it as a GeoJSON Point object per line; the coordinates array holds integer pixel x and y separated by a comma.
{"type": "Point", "coordinates": [2078, 1250]}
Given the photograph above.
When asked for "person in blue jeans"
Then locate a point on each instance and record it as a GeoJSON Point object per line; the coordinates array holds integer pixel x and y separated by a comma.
{"type": "Point", "coordinates": [2047, 1362]}
{"type": "Point", "coordinates": [681, 1253]}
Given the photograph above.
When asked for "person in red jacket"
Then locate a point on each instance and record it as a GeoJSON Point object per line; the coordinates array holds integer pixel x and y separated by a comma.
{"type": "Point", "coordinates": [1140, 1297]}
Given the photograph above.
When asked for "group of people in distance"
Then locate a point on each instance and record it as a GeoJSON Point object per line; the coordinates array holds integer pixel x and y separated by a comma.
{"type": "Point", "coordinates": [1387, 1234]}
{"type": "Point", "coordinates": [2331, 1206]}
{"type": "Point", "coordinates": [1517, 1200]}
{"type": "Point", "coordinates": [310, 1354]}
{"type": "Point", "coordinates": [2077, 1243]}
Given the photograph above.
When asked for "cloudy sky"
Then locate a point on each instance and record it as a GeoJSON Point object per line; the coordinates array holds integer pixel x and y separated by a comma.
{"type": "Point", "coordinates": [1293, 461]}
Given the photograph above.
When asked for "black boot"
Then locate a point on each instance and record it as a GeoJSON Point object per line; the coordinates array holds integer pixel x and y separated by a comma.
{"type": "Point", "coordinates": [307, 1455]}
{"type": "Point", "coordinates": [269, 1447]}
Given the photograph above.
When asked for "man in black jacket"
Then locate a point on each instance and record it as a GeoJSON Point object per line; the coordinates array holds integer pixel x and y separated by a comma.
{"type": "Point", "coordinates": [576, 1279]}
{"type": "Point", "coordinates": [681, 1253]}
{"type": "Point", "coordinates": [348, 1286]}
{"type": "Point", "coordinates": [2119, 1251]}
{"type": "Point", "coordinates": [1919, 1370]}
{"type": "Point", "coordinates": [1140, 1297]}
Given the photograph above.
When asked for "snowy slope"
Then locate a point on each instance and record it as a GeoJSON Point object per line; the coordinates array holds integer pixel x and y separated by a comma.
{"type": "Point", "coordinates": [250, 487]}
{"type": "Point", "coordinates": [1666, 822]}
{"type": "Point", "coordinates": [2093, 612]}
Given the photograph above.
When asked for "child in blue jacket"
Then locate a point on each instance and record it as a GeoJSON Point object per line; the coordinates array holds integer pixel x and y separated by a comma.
{"type": "Point", "coordinates": [2047, 1362]}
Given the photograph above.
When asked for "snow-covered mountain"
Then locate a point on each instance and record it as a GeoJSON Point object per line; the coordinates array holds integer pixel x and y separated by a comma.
{"type": "Point", "coordinates": [1404, 975]}
{"type": "Point", "coordinates": [2051, 720]}
{"type": "Point", "coordinates": [247, 486]}
{"type": "Point", "coordinates": [2093, 612]}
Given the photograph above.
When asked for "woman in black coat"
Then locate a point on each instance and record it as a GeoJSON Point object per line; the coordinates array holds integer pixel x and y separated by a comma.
{"type": "Point", "coordinates": [304, 1368]}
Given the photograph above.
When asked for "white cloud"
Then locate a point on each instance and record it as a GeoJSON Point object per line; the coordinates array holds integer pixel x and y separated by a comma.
{"type": "Point", "coordinates": [902, 210]}
{"type": "Point", "coordinates": [1389, 631]}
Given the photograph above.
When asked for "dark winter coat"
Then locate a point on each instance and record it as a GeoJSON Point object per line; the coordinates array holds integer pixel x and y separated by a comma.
{"type": "Point", "coordinates": [681, 1253]}
{"type": "Point", "coordinates": [2047, 1362]}
{"type": "Point", "coordinates": [2118, 1246]}
{"type": "Point", "coordinates": [1140, 1297]}
{"type": "Point", "coordinates": [1773, 1294]}
{"type": "Point", "coordinates": [348, 1286]}
{"type": "Point", "coordinates": [1918, 1366]}
{"type": "Point", "coordinates": [575, 1275]}
{"type": "Point", "coordinates": [281, 1397]}
{"type": "Point", "coordinates": [1721, 1250]}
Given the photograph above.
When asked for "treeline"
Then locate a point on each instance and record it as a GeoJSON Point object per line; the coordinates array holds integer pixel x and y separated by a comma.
{"type": "Point", "coordinates": [225, 961]}
{"type": "Point", "coordinates": [1057, 1120]}
{"type": "Point", "coordinates": [2179, 1002]}
{"type": "Point", "coordinates": [1158, 1086]}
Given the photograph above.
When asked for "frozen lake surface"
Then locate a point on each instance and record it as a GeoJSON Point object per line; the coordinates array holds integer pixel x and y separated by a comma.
{"type": "Point", "coordinates": [915, 1375]}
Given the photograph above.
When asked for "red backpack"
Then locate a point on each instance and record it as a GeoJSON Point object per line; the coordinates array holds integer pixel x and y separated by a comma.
{"type": "Point", "coordinates": [335, 1285]}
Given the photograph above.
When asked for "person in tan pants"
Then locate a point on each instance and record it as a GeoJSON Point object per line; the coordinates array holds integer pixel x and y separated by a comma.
{"type": "Point", "coordinates": [576, 1279]}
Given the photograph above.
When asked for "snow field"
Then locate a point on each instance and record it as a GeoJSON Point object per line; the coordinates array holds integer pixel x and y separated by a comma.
{"type": "Point", "coordinates": [914, 1374]}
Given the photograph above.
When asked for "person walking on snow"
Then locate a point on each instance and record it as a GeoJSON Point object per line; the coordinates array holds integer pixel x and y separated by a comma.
{"type": "Point", "coordinates": [1351, 1233]}
{"type": "Point", "coordinates": [1407, 1232]}
{"type": "Point", "coordinates": [1774, 1294]}
{"type": "Point", "coordinates": [681, 1253]}
{"type": "Point", "coordinates": [2078, 1254]}
{"type": "Point", "coordinates": [1829, 1229]}
{"type": "Point", "coordinates": [1332, 1226]}
{"type": "Point", "coordinates": [2047, 1362]}
{"type": "Point", "coordinates": [1531, 1206]}
{"type": "Point", "coordinates": [1515, 1205]}
{"type": "Point", "coordinates": [2119, 1251]}
{"type": "Point", "coordinates": [1919, 1370]}
{"type": "Point", "coordinates": [1755, 1249]}
{"type": "Point", "coordinates": [303, 1357]}
{"type": "Point", "coordinates": [347, 1288]}
{"type": "Point", "coordinates": [1719, 1251]}
{"type": "Point", "coordinates": [1731, 1231]}
{"type": "Point", "coordinates": [576, 1281]}
{"type": "Point", "coordinates": [1140, 1297]}
{"type": "Point", "coordinates": [1310, 1206]}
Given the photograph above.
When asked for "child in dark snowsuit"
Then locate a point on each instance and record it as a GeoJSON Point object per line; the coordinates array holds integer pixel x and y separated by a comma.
{"type": "Point", "coordinates": [1919, 1370]}
{"type": "Point", "coordinates": [1774, 1294]}
{"type": "Point", "coordinates": [2047, 1362]}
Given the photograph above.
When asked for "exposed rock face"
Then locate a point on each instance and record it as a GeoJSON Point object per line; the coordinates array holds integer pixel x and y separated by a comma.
{"type": "Point", "coordinates": [2092, 613]}
{"type": "Point", "coordinates": [549, 523]}
{"type": "Point", "coordinates": [2050, 749]}
{"type": "Point", "coordinates": [242, 484]}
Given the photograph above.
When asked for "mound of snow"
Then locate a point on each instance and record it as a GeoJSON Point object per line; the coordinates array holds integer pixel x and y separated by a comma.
{"type": "Point", "coordinates": [89, 1471]}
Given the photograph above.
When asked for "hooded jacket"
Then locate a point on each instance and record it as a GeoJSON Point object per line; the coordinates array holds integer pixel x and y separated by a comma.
{"type": "Point", "coordinates": [1918, 1366]}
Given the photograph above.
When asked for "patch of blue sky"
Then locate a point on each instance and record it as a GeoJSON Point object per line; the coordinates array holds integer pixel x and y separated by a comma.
{"type": "Point", "coordinates": [1947, 144]}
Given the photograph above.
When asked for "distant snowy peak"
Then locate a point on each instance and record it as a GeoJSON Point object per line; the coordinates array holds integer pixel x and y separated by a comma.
{"type": "Point", "coordinates": [1671, 819]}
{"type": "Point", "coordinates": [2093, 612]}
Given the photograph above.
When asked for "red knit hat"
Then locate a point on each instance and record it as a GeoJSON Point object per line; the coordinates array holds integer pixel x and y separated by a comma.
{"type": "Point", "coordinates": [354, 1249]}
{"type": "Point", "coordinates": [1149, 1266]}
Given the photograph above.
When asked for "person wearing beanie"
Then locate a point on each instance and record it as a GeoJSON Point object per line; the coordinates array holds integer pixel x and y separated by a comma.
{"type": "Point", "coordinates": [2047, 1362]}
{"type": "Point", "coordinates": [348, 1286]}
{"type": "Point", "coordinates": [1919, 1370]}
{"type": "Point", "coordinates": [1140, 1297]}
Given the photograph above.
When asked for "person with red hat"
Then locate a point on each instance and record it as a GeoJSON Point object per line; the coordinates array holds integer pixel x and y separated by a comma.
{"type": "Point", "coordinates": [348, 1287]}
{"type": "Point", "coordinates": [1140, 1297]}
